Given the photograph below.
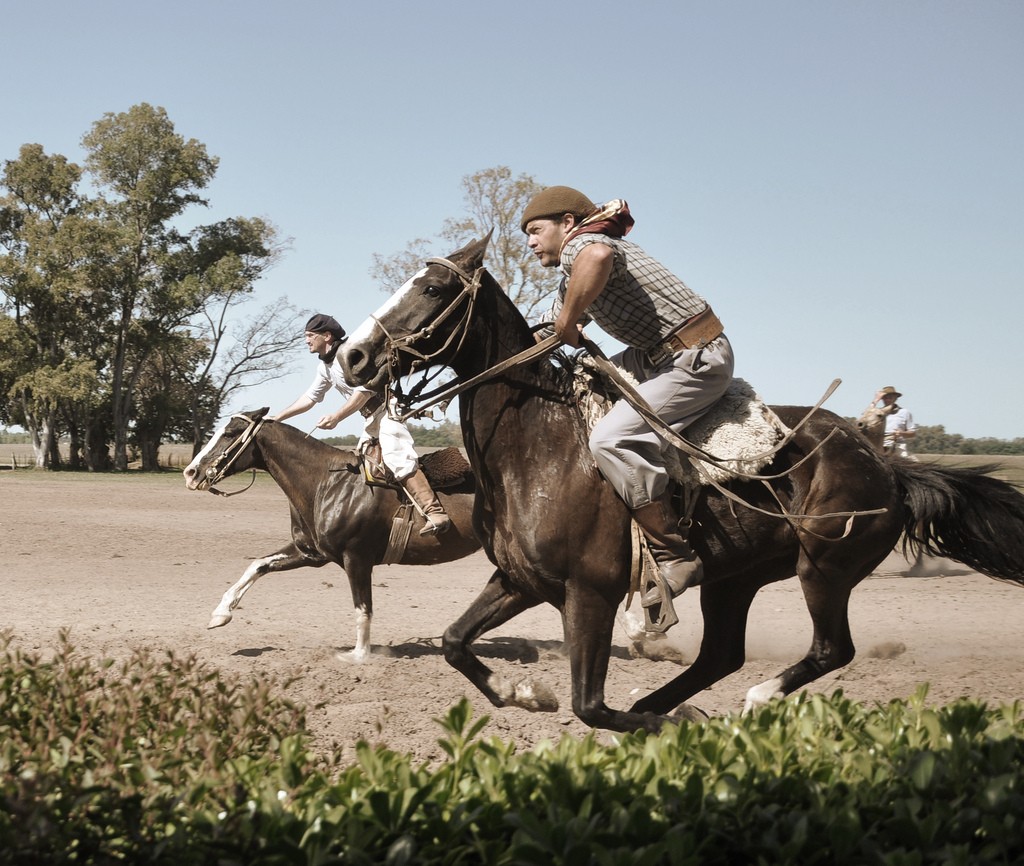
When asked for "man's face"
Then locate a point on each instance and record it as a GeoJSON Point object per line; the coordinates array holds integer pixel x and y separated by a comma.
{"type": "Point", "coordinates": [318, 341]}
{"type": "Point", "coordinates": [544, 238]}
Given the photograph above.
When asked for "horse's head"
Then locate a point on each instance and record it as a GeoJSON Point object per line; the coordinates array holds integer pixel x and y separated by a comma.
{"type": "Point", "coordinates": [872, 424]}
{"type": "Point", "coordinates": [422, 325]}
{"type": "Point", "coordinates": [226, 453]}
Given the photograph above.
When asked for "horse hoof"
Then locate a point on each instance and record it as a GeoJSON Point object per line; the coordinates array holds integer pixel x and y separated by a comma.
{"type": "Point", "coordinates": [352, 656]}
{"type": "Point", "coordinates": [525, 694]}
{"type": "Point", "coordinates": [219, 619]}
{"type": "Point", "coordinates": [534, 696]}
{"type": "Point", "coordinates": [689, 713]}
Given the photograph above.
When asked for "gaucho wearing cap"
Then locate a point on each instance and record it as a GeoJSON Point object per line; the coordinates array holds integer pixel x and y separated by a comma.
{"type": "Point", "coordinates": [675, 349]}
{"type": "Point", "coordinates": [324, 336]}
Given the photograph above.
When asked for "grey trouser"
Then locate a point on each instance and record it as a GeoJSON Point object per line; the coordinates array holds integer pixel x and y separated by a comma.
{"type": "Point", "coordinates": [680, 389]}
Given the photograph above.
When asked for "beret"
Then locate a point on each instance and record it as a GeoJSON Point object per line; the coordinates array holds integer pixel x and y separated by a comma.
{"type": "Point", "coordinates": [320, 322]}
{"type": "Point", "coordinates": [555, 201]}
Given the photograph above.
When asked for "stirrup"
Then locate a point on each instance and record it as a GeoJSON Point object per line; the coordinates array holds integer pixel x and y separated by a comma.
{"type": "Point", "coordinates": [666, 611]}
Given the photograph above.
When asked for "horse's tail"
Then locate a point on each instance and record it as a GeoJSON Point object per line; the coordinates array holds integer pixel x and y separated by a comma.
{"type": "Point", "coordinates": [965, 514]}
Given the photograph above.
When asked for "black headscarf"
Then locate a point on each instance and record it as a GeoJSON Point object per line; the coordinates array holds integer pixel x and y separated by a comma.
{"type": "Point", "coordinates": [320, 322]}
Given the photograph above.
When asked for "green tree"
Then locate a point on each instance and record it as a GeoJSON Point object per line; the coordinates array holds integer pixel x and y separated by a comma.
{"type": "Point", "coordinates": [216, 269]}
{"type": "Point", "coordinates": [120, 327]}
{"type": "Point", "coordinates": [494, 200]}
{"type": "Point", "coordinates": [44, 231]}
{"type": "Point", "coordinates": [147, 175]}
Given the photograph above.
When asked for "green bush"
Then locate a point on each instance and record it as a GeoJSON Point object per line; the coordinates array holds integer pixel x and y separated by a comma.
{"type": "Point", "coordinates": [162, 762]}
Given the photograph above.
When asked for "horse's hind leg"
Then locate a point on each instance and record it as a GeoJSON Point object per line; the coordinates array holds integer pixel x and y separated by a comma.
{"type": "Point", "coordinates": [828, 600]}
{"type": "Point", "coordinates": [285, 559]}
{"type": "Point", "coordinates": [724, 607]}
{"type": "Point", "coordinates": [360, 571]}
{"type": "Point", "coordinates": [495, 605]}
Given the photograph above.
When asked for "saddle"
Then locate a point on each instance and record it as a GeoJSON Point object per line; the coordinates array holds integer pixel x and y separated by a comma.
{"type": "Point", "coordinates": [445, 469]}
{"type": "Point", "coordinates": [739, 431]}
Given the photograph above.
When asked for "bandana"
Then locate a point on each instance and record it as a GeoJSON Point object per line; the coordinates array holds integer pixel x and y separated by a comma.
{"type": "Point", "coordinates": [612, 219]}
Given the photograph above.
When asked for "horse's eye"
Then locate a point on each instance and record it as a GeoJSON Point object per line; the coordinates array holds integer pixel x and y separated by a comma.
{"type": "Point", "coordinates": [433, 291]}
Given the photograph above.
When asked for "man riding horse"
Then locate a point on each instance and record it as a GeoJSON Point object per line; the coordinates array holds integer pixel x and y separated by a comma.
{"type": "Point", "coordinates": [324, 336]}
{"type": "Point", "coordinates": [676, 349]}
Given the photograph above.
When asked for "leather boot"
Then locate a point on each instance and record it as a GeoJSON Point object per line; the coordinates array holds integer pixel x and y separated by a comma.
{"type": "Point", "coordinates": [679, 565]}
{"type": "Point", "coordinates": [419, 489]}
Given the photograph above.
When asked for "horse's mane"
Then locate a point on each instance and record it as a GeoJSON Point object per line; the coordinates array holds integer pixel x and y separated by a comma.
{"type": "Point", "coordinates": [303, 440]}
{"type": "Point", "coordinates": [557, 371]}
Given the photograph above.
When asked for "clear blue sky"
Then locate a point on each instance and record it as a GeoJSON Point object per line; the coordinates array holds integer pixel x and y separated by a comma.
{"type": "Point", "coordinates": [844, 181]}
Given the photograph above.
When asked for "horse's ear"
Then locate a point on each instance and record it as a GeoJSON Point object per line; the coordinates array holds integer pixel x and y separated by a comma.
{"type": "Point", "coordinates": [259, 413]}
{"type": "Point", "coordinates": [471, 256]}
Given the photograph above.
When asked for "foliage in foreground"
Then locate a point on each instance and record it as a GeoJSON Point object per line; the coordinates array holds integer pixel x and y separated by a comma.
{"type": "Point", "coordinates": [160, 761]}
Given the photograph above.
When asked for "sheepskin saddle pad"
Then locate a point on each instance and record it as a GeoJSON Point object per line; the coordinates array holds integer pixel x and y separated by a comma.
{"type": "Point", "coordinates": [739, 431]}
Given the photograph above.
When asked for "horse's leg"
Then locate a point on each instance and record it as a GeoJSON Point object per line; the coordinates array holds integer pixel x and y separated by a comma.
{"type": "Point", "coordinates": [360, 573]}
{"type": "Point", "coordinates": [495, 605]}
{"type": "Point", "coordinates": [827, 578]}
{"type": "Point", "coordinates": [285, 559]}
{"type": "Point", "coordinates": [589, 619]}
{"type": "Point", "coordinates": [724, 608]}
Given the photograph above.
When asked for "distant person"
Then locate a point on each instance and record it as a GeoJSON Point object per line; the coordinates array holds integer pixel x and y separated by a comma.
{"type": "Point", "coordinates": [324, 337]}
{"type": "Point", "coordinates": [899, 423]}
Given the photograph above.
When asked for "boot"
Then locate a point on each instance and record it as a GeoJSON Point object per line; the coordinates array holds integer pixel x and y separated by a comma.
{"type": "Point", "coordinates": [419, 490]}
{"type": "Point", "coordinates": [679, 565]}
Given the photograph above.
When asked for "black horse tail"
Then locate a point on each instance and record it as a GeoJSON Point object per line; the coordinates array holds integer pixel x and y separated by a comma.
{"type": "Point", "coordinates": [965, 514]}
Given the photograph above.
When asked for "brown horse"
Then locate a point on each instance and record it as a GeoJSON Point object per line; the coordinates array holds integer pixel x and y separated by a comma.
{"type": "Point", "coordinates": [557, 533]}
{"type": "Point", "coordinates": [335, 515]}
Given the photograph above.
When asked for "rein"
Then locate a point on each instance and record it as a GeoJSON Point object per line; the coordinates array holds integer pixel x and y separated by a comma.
{"type": "Point", "coordinates": [470, 287]}
{"type": "Point", "coordinates": [218, 470]}
{"type": "Point", "coordinates": [695, 454]}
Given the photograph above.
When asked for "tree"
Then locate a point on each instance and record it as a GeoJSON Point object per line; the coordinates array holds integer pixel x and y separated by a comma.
{"type": "Point", "coordinates": [494, 200]}
{"type": "Point", "coordinates": [120, 327]}
{"type": "Point", "coordinates": [147, 175]}
{"type": "Point", "coordinates": [217, 270]}
{"type": "Point", "coordinates": [261, 351]}
{"type": "Point", "coordinates": [44, 230]}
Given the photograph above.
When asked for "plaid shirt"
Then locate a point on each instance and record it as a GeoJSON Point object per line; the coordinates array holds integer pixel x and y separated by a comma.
{"type": "Point", "coordinates": [642, 302]}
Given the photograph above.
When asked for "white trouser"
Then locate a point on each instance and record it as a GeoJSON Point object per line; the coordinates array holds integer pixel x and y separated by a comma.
{"type": "Point", "coordinates": [396, 445]}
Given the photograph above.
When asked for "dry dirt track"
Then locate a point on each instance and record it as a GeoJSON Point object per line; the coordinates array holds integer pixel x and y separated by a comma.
{"type": "Point", "coordinates": [138, 560]}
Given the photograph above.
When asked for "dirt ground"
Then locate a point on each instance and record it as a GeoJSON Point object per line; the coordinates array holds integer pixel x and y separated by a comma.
{"type": "Point", "coordinates": [138, 560]}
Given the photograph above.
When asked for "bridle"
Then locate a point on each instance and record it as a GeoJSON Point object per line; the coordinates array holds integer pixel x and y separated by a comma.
{"type": "Point", "coordinates": [406, 344]}
{"type": "Point", "coordinates": [397, 345]}
{"type": "Point", "coordinates": [218, 470]}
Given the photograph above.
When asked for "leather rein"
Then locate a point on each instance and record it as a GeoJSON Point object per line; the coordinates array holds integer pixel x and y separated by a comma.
{"type": "Point", "coordinates": [217, 471]}
{"type": "Point", "coordinates": [444, 394]}
{"type": "Point", "coordinates": [470, 288]}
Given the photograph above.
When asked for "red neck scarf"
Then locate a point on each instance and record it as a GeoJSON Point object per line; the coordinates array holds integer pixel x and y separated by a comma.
{"type": "Point", "coordinates": [612, 219]}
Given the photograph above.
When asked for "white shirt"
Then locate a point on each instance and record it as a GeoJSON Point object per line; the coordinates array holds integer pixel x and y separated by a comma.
{"type": "Point", "coordinates": [331, 376]}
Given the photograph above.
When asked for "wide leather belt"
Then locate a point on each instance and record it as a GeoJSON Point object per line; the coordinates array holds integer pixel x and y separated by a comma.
{"type": "Point", "coordinates": [695, 333]}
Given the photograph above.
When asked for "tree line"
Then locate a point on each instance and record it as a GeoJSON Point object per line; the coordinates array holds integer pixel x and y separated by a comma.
{"type": "Point", "coordinates": [119, 328]}
{"type": "Point", "coordinates": [929, 440]}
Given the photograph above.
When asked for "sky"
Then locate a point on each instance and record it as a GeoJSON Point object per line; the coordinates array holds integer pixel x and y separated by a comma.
{"type": "Point", "coordinates": [842, 181]}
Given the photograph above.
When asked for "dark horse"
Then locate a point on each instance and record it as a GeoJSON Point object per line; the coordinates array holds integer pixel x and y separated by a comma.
{"type": "Point", "coordinates": [558, 533]}
{"type": "Point", "coordinates": [336, 516]}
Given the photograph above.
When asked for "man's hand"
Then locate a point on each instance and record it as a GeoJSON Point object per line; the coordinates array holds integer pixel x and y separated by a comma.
{"type": "Point", "coordinates": [328, 422]}
{"type": "Point", "coordinates": [568, 332]}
